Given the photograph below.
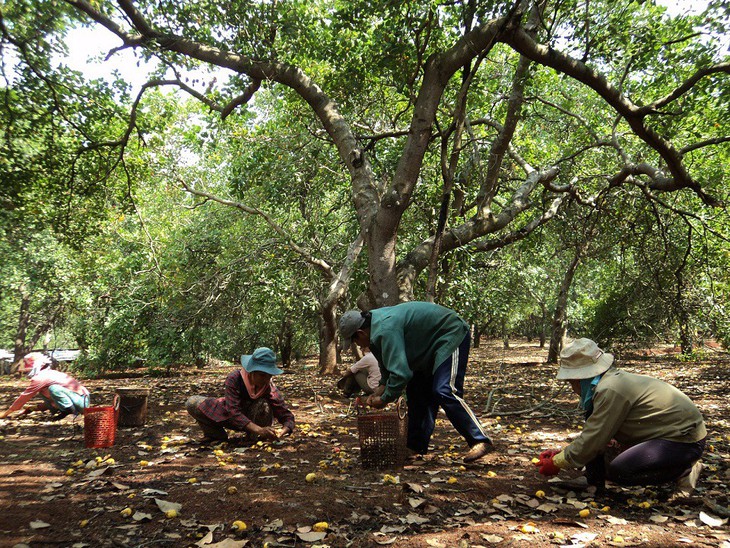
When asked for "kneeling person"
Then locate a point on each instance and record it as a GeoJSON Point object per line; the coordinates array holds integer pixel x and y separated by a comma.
{"type": "Point", "coordinates": [656, 429]}
{"type": "Point", "coordinates": [250, 404]}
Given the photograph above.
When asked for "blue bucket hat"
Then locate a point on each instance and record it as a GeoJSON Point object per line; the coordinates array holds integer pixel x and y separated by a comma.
{"type": "Point", "coordinates": [263, 359]}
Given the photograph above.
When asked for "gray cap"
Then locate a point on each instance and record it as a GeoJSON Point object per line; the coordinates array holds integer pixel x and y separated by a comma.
{"type": "Point", "coordinates": [582, 359]}
{"type": "Point", "coordinates": [350, 322]}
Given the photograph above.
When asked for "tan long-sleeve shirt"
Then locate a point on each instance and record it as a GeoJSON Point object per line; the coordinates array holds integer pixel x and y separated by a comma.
{"type": "Point", "coordinates": [632, 409]}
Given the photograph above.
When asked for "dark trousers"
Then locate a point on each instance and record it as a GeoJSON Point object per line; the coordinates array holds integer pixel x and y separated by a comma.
{"type": "Point", "coordinates": [259, 411]}
{"type": "Point", "coordinates": [651, 462]}
{"type": "Point", "coordinates": [444, 388]}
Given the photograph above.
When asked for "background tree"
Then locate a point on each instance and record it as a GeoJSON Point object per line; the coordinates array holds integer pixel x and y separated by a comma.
{"type": "Point", "coordinates": [456, 130]}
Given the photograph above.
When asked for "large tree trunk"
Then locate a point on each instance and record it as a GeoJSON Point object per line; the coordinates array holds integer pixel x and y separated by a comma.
{"type": "Point", "coordinates": [558, 324]}
{"type": "Point", "coordinates": [328, 341]}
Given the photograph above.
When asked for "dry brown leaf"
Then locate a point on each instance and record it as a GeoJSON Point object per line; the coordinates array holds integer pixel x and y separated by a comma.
{"type": "Point", "coordinates": [229, 543]}
{"type": "Point", "coordinates": [312, 536]}
{"type": "Point", "coordinates": [415, 518]}
{"type": "Point", "coordinates": [415, 502]}
{"type": "Point", "coordinates": [415, 487]}
{"type": "Point", "coordinates": [712, 521]}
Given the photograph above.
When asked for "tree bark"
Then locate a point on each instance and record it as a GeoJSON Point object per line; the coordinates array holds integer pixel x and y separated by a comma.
{"type": "Point", "coordinates": [328, 341]}
{"type": "Point", "coordinates": [558, 323]}
{"type": "Point", "coordinates": [19, 347]}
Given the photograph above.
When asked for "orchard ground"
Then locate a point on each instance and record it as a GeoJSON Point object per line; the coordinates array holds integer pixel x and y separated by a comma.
{"type": "Point", "coordinates": [56, 492]}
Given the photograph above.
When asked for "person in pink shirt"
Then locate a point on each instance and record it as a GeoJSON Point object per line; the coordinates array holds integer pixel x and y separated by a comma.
{"type": "Point", "coordinates": [61, 392]}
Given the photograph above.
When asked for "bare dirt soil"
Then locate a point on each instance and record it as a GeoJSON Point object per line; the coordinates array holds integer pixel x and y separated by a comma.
{"type": "Point", "coordinates": [56, 492]}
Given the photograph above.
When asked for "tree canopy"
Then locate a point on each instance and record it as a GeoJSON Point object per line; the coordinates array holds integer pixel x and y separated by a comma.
{"type": "Point", "coordinates": [561, 160]}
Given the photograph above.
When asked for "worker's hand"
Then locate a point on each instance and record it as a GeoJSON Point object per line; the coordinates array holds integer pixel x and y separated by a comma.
{"type": "Point", "coordinates": [549, 453]}
{"type": "Point", "coordinates": [4, 414]}
{"type": "Point", "coordinates": [267, 433]}
{"type": "Point", "coordinates": [546, 466]}
{"type": "Point", "coordinates": [284, 432]}
{"type": "Point", "coordinates": [375, 401]}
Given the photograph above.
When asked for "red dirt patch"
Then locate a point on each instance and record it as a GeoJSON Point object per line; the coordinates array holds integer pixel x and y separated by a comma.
{"type": "Point", "coordinates": [490, 500]}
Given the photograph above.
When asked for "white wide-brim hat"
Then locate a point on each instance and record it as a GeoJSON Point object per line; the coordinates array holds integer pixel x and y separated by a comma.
{"type": "Point", "coordinates": [582, 359]}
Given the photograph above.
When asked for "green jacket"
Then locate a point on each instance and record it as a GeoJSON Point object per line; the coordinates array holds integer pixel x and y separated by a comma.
{"type": "Point", "coordinates": [632, 409]}
{"type": "Point", "coordinates": [412, 336]}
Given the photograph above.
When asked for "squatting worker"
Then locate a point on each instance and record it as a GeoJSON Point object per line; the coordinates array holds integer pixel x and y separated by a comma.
{"type": "Point", "coordinates": [362, 376]}
{"type": "Point", "coordinates": [658, 432]}
{"type": "Point", "coordinates": [250, 404]}
{"type": "Point", "coordinates": [422, 348]}
{"type": "Point", "coordinates": [61, 394]}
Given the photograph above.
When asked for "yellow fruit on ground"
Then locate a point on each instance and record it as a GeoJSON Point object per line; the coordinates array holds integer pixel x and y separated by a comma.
{"type": "Point", "coordinates": [232, 490]}
{"type": "Point", "coordinates": [535, 460]}
{"type": "Point", "coordinates": [83, 523]}
{"type": "Point", "coordinates": [311, 477]}
{"type": "Point", "coordinates": [78, 463]}
{"type": "Point", "coordinates": [126, 512]}
{"type": "Point", "coordinates": [320, 527]}
{"type": "Point", "coordinates": [239, 526]}
{"type": "Point", "coordinates": [618, 539]}
{"type": "Point", "coordinates": [387, 478]}
{"type": "Point", "coordinates": [491, 474]}
{"type": "Point", "coordinates": [584, 513]}
{"type": "Point", "coordinates": [540, 494]}
{"type": "Point", "coordinates": [530, 528]}
{"type": "Point", "coordinates": [263, 469]}
{"type": "Point", "coordinates": [143, 463]}
{"type": "Point", "coordinates": [193, 480]}
{"type": "Point", "coordinates": [606, 509]}
{"type": "Point", "coordinates": [452, 479]}
{"type": "Point", "coordinates": [70, 472]}
{"type": "Point", "coordinates": [171, 514]}
{"type": "Point", "coordinates": [645, 504]}
{"type": "Point", "coordinates": [110, 461]}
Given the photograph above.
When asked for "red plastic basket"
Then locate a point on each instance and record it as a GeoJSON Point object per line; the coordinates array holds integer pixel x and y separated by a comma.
{"type": "Point", "coordinates": [100, 425]}
{"type": "Point", "coordinates": [382, 436]}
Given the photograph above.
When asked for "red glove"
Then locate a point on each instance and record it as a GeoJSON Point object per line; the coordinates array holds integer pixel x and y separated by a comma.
{"type": "Point", "coordinates": [549, 453]}
{"type": "Point", "coordinates": [545, 465]}
{"type": "Point", "coordinates": [548, 467]}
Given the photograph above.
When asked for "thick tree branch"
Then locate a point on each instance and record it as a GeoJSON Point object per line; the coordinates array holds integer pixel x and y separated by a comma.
{"type": "Point", "coordinates": [521, 41]}
{"type": "Point", "coordinates": [523, 232]}
{"type": "Point", "coordinates": [686, 86]}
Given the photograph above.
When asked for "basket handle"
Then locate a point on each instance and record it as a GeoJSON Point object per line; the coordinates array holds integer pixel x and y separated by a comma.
{"type": "Point", "coordinates": [116, 402]}
{"type": "Point", "coordinates": [401, 407]}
